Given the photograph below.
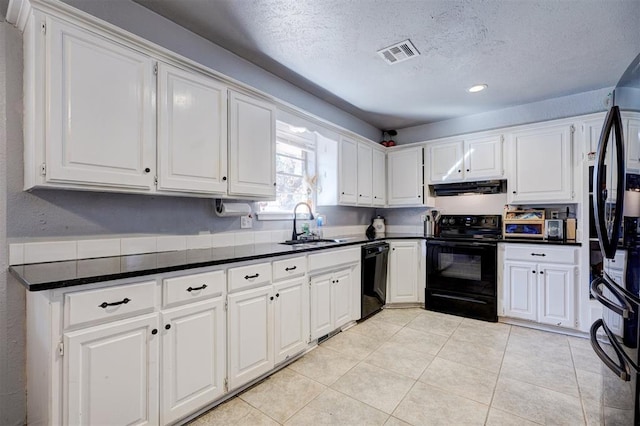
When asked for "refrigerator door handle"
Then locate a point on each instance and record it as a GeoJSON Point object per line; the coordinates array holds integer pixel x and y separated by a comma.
{"type": "Point", "coordinates": [596, 292]}
{"type": "Point", "coordinates": [622, 368]}
{"type": "Point", "coordinates": [609, 242]}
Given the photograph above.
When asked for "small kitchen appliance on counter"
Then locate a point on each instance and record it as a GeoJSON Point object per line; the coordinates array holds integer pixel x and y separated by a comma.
{"type": "Point", "coordinates": [554, 229]}
{"type": "Point", "coordinates": [378, 225]}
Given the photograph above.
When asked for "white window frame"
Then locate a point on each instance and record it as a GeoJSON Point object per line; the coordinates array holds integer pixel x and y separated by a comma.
{"type": "Point", "coordinates": [306, 141]}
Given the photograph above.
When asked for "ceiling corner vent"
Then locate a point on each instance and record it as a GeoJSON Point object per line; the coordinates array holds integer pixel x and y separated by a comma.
{"type": "Point", "coordinates": [399, 52]}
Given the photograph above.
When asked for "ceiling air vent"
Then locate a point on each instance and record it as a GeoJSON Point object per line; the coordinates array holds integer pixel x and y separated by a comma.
{"type": "Point", "coordinates": [399, 52]}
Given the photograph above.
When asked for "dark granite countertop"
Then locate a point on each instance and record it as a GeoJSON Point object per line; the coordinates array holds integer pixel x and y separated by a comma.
{"type": "Point", "coordinates": [50, 275]}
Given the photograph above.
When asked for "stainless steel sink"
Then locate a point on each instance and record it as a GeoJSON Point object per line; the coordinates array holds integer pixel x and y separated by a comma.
{"type": "Point", "coordinates": [310, 242]}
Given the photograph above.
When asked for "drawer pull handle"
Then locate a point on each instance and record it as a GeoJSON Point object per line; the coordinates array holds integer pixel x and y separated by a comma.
{"type": "Point", "coordinates": [202, 287]}
{"type": "Point", "coordinates": [124, 301]}
{"type": "Point", "coordinates": [248, 277]}
{"type": "Point", "coordinates": [538, 254]}
{"type": "Point", "coordinates": [291, 269]}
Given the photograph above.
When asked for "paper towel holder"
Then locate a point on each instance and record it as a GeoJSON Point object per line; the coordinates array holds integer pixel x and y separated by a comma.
{"type": "Point", "coordinates": [237, 209]}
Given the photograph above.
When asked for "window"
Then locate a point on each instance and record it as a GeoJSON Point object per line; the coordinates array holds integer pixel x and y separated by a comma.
{"type": "Point", "coordinates": [295, 172]}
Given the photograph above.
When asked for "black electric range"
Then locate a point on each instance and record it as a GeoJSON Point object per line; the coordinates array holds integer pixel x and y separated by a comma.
{"type": "Point", "coordinates": [462, 277]}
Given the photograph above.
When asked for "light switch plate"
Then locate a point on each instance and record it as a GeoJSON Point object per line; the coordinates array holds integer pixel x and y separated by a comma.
{"type": "Point", "coordinates": [246, 222]}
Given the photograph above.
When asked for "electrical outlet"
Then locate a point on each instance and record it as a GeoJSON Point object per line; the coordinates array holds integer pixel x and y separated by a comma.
{"type": "Point", "coordinates": [423, 217]}
{"type": "Point", "coordinates": [246, 222]}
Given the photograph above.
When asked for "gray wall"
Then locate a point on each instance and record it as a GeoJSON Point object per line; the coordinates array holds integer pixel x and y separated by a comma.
{"type": "Point", "coordinates": [550, 109]}
{"type": "Point", "coordinates": [12, 300]}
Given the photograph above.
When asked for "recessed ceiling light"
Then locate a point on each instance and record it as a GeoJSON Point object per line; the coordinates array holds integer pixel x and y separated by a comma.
{"type": "Point", "coordinates": [477, 88]}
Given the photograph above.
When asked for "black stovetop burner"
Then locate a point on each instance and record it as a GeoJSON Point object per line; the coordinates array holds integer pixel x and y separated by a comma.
{"type": "Point", "coordinates": [470, 227]}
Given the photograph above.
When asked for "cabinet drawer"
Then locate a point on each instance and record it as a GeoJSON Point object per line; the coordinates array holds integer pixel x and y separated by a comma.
{"type": "Point", "coordinates": [109, 303]}
{"type": "Point", "coordinates": [249, 276]}
{"type": "Point", "coordinates": [192, 287]}
{"type": "Point", "coordinates": [333, 258]}
{"type": "Point", "coordinates": [289, 268]}
{"type": "Point", "coordinates": [540, 253]}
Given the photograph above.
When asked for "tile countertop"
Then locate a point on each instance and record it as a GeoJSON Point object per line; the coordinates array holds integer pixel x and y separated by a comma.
{"type": "Point", "coordinates": [50, 275]}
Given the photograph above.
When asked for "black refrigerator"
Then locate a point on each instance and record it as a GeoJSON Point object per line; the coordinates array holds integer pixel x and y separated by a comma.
{"type": "Point", "coordinates": [618, 230]}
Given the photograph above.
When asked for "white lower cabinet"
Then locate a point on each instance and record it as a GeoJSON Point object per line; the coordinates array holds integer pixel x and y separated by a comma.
{"type": "Point", "coordinates": [331, 301]}
{"type": "Point", "coordinates": [267, 324]}
{"type": "Point", "coordinates": [193, 357]}
{"type": "Point", "coordinates": [291, 318]}
{"type": "Point", "coordinates": [404, 272]}
{"type": "Point", "coordinates": [250, 334]}
{"type": "Point", "coordinates": [111, 373]}
{"type": "Point", "coordinates": [537, 291]}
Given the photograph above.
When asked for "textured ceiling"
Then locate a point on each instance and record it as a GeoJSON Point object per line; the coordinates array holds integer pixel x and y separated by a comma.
{"type": "Point", "coordinates": [524, 50]}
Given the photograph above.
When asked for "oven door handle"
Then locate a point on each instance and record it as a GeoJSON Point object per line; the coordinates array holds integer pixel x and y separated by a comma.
{"type": "Point", "coordinates": [596, 292]}
{"type": "Point", "coordinates": [622, 368]}
{"type": "Point", "coordinates": [460, 243]}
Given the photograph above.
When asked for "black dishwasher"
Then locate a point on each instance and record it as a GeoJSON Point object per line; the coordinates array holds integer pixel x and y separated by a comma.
{"type": "Point", "coordinates": [374, 277]}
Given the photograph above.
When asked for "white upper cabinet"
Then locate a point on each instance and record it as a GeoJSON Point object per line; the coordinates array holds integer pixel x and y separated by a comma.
{"type": "Point", "coordinates": [405, 184]}
{"type": "Point", "coordinates": [252, 146]}
{"type": "Point", "coordinates": [472, 158]}
{"type": "Point", "coordinates": [348, 171]}
{"type": "Point", "coordinates": [445, 162]}
{"type": "Point", "coordinates": [541, 167]}
{"type": "Point", "coordinates": [632, 138]}
{"type": "Point", "coordinates": [483, 158]}
{"type": "Point", "coordinates": [192, 132]}
{"type": "Point", "coordinates": [379, 178]}
{"type": "Point", "coordinates": [99, 113]}
{"type": "Point", "coordinates": [365, 174]}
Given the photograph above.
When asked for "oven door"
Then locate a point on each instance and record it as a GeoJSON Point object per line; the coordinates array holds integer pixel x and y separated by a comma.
{"type": "Point", "coordinates": [462, 278]}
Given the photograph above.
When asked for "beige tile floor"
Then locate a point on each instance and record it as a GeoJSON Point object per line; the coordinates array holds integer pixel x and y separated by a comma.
{"type": "Point", "coordinates": [416, 367]}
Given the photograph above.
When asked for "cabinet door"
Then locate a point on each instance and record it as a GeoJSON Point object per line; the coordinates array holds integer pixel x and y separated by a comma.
{"type": "Point", "coordinates": [520, 281]}
{"type": "Point", "coordinates": [379, 178]}
{"type": "Point", "coordinates": [446, 162]}
{"type": "Point", "coordinates": [252, 146]}
{"type": "Point", "coordinates": [250, 328]}
{"type": "Point", "coordinates": [403, 272]}
{"type": "Point", "coordinates": [483, 158]}
{"type": "Point", "coordinates": [193, 357]}
{"type": "Point", "coordinates": [291, 320]}
{"type": "Point", "coordinates": [100, 111]}
{"type": "Point", "coordinates": [111, 373]}
{"type": "Point", "coordinates": [556, 295]}
{"type": "Point", "coordinates": [365, 175]}
{"type": "Point", "coordinates": [348, 171]}
{"type": "Point", "coordinates": [341, 298]}
{"type": "Point", "coordinates": [541, 165]}
{"type": "Point", "coordinates": [591, 130]}
{"type": "Point", "coordinates": [192, 132]}
{"type": "Point", "coordinates": [405, 185]}
{"type": "Point", "coordinates": [320, 300]}
{"type": "Point", "coordinates": [632, 137]}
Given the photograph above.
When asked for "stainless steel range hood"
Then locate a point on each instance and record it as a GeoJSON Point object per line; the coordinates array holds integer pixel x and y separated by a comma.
{"type": "Point", "coordinates": [477, 187]}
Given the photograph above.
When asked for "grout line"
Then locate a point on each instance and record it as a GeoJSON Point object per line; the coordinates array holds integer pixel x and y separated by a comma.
{"type": "Point", "coordinates": [495, 387]}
